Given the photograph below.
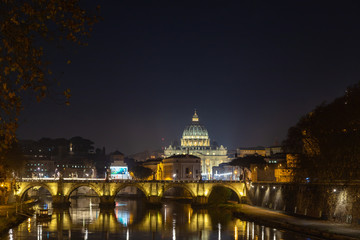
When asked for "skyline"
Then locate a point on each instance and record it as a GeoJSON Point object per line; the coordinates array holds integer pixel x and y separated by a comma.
{"type": "Point", "coordinates": [251, 71]}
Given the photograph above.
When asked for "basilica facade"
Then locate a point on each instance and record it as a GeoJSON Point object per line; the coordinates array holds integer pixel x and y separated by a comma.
{"type": "Point", "coordinates": [195, 141]}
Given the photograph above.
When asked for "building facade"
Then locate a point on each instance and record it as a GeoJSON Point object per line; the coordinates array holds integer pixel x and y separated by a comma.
{"type": "Point", "coordinates": [272, 150]}
{"type": "Point", "coordinates": [72, 167]}
{"type": "Point", "coordinates": [275, 154]}
{"type": "Point", "coordinates": [227, 172]}
{"type": "Point", "coordinates": [195, 141]}
{"type": "Point", "coordinates": [243, 152]}
{"type": "Point", "coordinates": [118, 168]}
{"type": "Point", "coordinates": [179, 167]}
{"type": "Point", "coordinates": [39, 168]}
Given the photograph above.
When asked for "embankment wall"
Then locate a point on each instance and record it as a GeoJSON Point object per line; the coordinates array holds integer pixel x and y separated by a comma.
{"type": "Point", "coordinates": [335, 202]}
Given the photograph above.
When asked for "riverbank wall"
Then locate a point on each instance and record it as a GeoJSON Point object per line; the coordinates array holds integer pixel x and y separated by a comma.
{"type": "Point", "coordinates": [337, 202]}
{"type": "Point", "coordinates": [302, 225]}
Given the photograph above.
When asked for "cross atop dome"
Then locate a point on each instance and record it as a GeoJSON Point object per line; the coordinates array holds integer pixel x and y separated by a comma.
{"type": "Point", "coordinates": [195, 117]}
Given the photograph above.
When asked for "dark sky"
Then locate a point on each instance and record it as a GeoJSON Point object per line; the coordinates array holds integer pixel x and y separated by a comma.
{"type": "Point", "coordinates": [251, 70]}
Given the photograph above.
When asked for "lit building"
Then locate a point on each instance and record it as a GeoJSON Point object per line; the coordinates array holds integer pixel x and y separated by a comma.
{"type": "Point", "coordinates": [263, 172]}
{"type": "Point", "coordinates": [195, 141]}
{"type": "Point", "coordinates": [72, 167]}
{"type": "Point", "coordinates": [269, 151]}
{"type": "Point", "coordinates": [118, 168]}
{"type": "Point", "coordinates": [275, 172]}
{"type": "Point", "coordinates": [275, 154]}
{"type": "Point", "coordinates": [179, 167]}
{"type": "Point", "coordinates": [227, 172]}
{"type": "Point", "coordinates": [243, 152]}
{"type": "Point", "coordinates": [286, 173]}
{"type": "Point", "coordinates": [39, 168]}
{"type": "Point", "coordinates": [47, 157]}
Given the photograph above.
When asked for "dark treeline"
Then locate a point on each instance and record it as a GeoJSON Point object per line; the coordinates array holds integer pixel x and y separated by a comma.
{"type": "Point", "coordinates": [326, 141]}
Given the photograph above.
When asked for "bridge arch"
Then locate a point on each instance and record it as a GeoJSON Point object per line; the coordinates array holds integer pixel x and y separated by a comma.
{"type": "Point", "coordinates": [177, 185]}
{"type": "Point", "coordinates": [238, 192]}
{"type": "Point", "coordinates": [29, 186]}
{"type": "Point", "coordinates": [138, 186]}
{"type": "Point", "coordinates": [78, 185]}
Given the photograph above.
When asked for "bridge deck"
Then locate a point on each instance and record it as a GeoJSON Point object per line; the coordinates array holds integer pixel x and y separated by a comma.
{"type": "Point", "coordinates": [121, 180]}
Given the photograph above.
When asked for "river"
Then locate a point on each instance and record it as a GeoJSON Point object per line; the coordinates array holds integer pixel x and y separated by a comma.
{"type": "Point", "coordinates": [132, 219]}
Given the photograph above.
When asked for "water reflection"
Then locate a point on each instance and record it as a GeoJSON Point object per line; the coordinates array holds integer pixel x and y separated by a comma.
{"type": "Point", "coordinates": [131, 219]}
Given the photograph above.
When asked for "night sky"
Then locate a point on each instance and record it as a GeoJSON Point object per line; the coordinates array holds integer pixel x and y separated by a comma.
{"type": "Point", "coordinates": [251, 70]}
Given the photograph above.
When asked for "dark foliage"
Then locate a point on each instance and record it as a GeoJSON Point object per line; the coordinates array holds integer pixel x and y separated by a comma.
{"type": "Point", "coordinates": [141, 172]}
{"type": "Point", "coordinates": [246, 161]}
{"type": "Point", "coordinates": [327, 139]}
{"type": "Point", "coordinates": [219, 195]}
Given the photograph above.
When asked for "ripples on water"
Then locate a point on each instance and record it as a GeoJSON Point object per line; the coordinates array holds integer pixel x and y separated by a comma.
{"type": "Point", "coordinates": [131, 219]}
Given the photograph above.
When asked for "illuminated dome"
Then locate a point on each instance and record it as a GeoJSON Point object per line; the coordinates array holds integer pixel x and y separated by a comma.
{"type": "Point", "coordinates": [195, 134]}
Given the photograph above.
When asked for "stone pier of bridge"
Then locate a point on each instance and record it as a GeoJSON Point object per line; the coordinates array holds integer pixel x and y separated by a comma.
{"type": "Point", "coordinates": [61, 189]}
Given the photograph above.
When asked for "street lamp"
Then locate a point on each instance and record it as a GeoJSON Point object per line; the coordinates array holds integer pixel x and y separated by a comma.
{"type": "Point", "coordinates": [235, 172]}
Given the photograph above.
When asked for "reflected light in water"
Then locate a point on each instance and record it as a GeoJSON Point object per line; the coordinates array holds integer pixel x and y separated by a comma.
{"type": "Point", "coordinates": [29, 225]}
{"type": "Point", "coordinates": [236, 237]}
{"type": "Point", "coordinates": [253, 231]}
{"type": "Point", "coordinates": [219, 229]}
{"type": "Point", "coordinates": [174, 230]}
{"type": "Point", "coordinates": [39, 232]}
{"type": "Point", "coordinates": [123, 217]}
{"type": "Point", "coordinates": [91, 212]}
{"type": "Point", "coordinates": [11, 234]}
{"type": "Point", "coordinates": [189, 217]}
{"type": "Point", "coordinates": [274, 232]}
{"type": "Point", "coordinates": [247, 231]}
{"type": "Point", "coordinates": [86, 234]}
{"type": "Point", "coordinates": [144, 223]}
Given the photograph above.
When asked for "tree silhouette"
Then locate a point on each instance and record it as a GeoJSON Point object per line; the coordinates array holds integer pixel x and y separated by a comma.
{"type": "Point", "coordinates": [326, 140]}
{"type": "Point", "coordinates": [25, 26]}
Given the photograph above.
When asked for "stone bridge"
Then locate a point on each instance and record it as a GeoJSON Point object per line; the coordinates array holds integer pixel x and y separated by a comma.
{"type": "Point", "coordinates": [107, 190]}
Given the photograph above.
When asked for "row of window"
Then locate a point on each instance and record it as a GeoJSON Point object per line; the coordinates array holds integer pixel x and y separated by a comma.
{"type": "Point", "coordinates": [30, 150]}
{"type": "Point", "coordinates": [192, 153]}
{"type": "Point", "coordinates": [40, 170]}
{"type": "Point", "coordinates": [36, 164]}
{"type": "Point", "coordinates": [73, 166]}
